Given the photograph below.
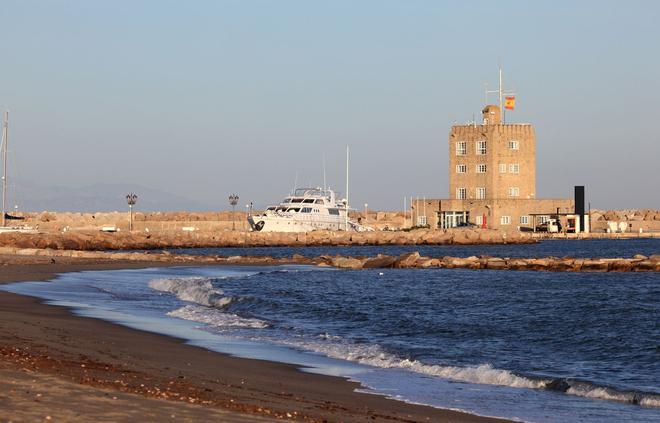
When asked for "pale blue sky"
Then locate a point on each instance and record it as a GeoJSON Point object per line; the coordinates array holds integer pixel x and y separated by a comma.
{"type": "Point", "coordinates": [200, 99]}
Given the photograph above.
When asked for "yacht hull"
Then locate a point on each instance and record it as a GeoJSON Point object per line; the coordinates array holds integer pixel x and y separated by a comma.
{"type": "Point", "coordinates": [265, 223]}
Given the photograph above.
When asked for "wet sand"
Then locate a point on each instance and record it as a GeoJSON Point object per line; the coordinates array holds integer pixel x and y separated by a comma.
{"type": "Point", "coordinates": [54, 365]}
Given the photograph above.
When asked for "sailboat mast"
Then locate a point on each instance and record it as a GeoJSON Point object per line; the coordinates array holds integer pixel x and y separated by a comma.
{"type": "Point", "coordinates": [5, 140]}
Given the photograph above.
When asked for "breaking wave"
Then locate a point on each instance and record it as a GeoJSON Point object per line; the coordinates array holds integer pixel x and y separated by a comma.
{"type": "Point", "coordinates": [485, 374]}
{"type": "Point", "coordinates": [373, 355]}
{"type": "Point", "coordinates": [216, 318]}
{"type": "Point", "coordinates": [210, 303]}
{"type": "Point", "coordinates": [210, 308]}
{"type": "Point", "coordinates": [588, 390]}
{"type": "Point", "coordinates": [195, 290]}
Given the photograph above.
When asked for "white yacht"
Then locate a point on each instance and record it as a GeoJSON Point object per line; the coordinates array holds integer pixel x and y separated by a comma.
{"type": "Point", "coordinates": [306, 210]}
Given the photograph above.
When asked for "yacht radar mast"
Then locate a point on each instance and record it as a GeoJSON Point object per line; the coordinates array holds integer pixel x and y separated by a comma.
{"type": "Point", "coordinates": [3, 144]}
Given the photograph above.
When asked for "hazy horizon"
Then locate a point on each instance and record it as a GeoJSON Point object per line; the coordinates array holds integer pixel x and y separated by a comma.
{"type": "Point", "coordinates": [190, 102]}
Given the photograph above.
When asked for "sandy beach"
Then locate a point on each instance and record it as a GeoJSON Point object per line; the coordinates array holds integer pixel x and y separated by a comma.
{"type": "Point", "coordinates": [58, 366]}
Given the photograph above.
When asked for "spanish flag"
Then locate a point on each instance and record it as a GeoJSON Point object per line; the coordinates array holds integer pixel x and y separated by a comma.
{"type": "Point", "coordinates": [510, 102]}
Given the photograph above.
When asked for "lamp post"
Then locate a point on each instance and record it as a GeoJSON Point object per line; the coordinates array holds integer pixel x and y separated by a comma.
{"type": "Point", "coordinates": [131, 199]}
{"type": "Point", "coordinates": [248, 210]}
{"type": "Point", "coordinates": [233, 200]}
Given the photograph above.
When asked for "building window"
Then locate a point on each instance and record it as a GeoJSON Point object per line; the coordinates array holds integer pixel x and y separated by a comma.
{"type": "Point", "coordinates": [505, 220]}
{"type": "Point", "coordinates": [543, 219]}
{"type": "Point", "coordinates": [513, 145]}
{"type": "Point", "coordinates": [461, 168]}
{"type": "Point", "coordinates": [461, 193]}
{"type": "Point", "coordinates": [421, 220]}
{"type": "Point", "coordinates": [461, 148]}
{"type": "Point", "coordinates": [514, 192]}
{"type": "Point", "coordinates": [481, 168]}
{"type": "Point", "coordinates": [514, 168]}
{"type": "Point", "coordinates": [479, 220]}
{"type": "Point", "coordinates": [502, 167]}
{"type": "Point", "coordinates": [481, 193]}
{"type": "Point", "coordinates": [481, 148]}
{"type": "Point", "coordinates": [524, 220]}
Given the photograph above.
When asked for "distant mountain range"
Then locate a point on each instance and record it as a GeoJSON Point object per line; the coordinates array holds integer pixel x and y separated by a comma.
{"type": "Point", "coordinates": [99, 197]}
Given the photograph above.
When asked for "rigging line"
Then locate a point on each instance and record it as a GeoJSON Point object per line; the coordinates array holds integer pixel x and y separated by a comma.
{"type": "Point", "coordinates": [14, 186]}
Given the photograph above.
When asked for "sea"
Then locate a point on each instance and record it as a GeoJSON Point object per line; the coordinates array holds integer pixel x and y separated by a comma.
{"type": "Point", "coordinates": [527, 346]}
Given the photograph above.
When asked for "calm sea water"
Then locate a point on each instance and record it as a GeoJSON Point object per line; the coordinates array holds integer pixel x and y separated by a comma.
{"type": "Point", "coordinates": [531, 346]}
{"type": "Point", "coordinates": [555, 248]}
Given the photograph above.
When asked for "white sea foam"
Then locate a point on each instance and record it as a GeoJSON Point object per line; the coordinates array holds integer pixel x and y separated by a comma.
{"type": "Point", "coordinates": [485, 374]}
{"type": "Point", "coordinates": [200, 291]}
{"type": "Point", "coordinates": [194, 290]}
{"type": "Point", "coordinates": [653, 401]}
{"type": "Point", "coordinates": [373, 355]}
{"type": "Point", "coordinates": [599, 392]}
{"type": "Point", "coordinates": [216, 318]}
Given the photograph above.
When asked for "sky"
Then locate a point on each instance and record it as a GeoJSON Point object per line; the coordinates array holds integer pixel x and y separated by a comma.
{"type": "Point", "coordinates": [188, 102]}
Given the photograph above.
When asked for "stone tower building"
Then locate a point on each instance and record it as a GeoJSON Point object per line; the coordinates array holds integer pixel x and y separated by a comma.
{"type": "Point", "coordinates": [492, 179]}
{"type": "Point", "coordinates": [492, 160]}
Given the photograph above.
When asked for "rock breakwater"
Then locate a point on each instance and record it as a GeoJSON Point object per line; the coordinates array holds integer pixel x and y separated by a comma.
{"type": "Point", "coordinates": [413, 260]}
{"type": "Point", "coordinates": [639, 263]}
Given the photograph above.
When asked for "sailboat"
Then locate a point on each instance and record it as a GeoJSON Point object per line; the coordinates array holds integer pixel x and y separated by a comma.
{"type": "Point", "coordinates": [6, 217]}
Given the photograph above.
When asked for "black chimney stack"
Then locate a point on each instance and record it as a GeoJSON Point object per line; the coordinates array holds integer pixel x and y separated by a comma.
{"type": "Point", "coordinates": [579, 201]}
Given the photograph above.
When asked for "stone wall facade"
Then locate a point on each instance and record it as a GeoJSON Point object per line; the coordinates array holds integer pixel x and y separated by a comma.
{"type": "Point", "coordinates": [505, 214]}
{"type": "Point", "coordinates": [492, 180]}
{"type": "Point", "coordinates": [492, 160]}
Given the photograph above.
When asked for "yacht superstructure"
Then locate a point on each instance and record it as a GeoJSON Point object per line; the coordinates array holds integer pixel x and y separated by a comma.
{"type": "Point", "coordinates": [306, 210]}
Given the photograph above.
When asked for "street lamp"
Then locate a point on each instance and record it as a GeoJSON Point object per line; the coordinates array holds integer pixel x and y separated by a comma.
{"type": "Point", "coordinates": [131, 199]}
{"type": "Point", "coordinates": [233, 200]}
{"type": "Point", "coordinates": [248, 208]}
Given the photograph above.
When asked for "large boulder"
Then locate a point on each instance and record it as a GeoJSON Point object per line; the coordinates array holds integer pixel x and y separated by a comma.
{"type": "Point", "coordinates": [347, 262]}
{"type": "Point", "coordinates": [496, 264]}
{"type": "Point", "coordinates": [379, 262]}
{"type": "Point", "coordinates": [594, 265]}
{"type": "Point", "coordinates": [407, 260]}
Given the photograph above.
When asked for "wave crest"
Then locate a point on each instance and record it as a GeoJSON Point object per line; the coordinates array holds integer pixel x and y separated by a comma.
{"type": "Point", "coordinates": [588, 390]}
{"type": "Point", "coordinates": [373, 355]}
{"type": "Point", "coordinates": [195, 290]}
{"type": "Point", "coordinates": [216, 318]}
{"type": "Point", "coordinates": [485, 374]}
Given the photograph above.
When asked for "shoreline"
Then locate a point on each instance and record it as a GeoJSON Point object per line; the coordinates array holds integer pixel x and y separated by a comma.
{"type": "Point", "coordinates": [107, 359]}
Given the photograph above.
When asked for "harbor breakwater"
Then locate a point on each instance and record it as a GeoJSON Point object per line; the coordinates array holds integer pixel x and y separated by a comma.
{"type": "Point", "coordinates": [412, 260]}
{"type": "Point", "coordinates": [127, 240]}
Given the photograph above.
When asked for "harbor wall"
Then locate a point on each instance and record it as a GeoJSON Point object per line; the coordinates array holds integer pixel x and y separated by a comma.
{"type": "Point", "coordinates": [140, 240]}
{"type": "Point", "coordinates": [172, 221]}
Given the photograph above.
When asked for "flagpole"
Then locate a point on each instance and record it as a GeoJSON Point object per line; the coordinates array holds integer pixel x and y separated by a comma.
{"type": "Point", "coordinates": [501, 92]}
{"type": "Point", "coordinates": [502, 109]}
{"type": "Point", "coordinates": [500, 87]}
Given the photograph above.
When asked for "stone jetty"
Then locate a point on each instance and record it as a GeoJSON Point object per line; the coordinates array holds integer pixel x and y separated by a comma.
{"type": "Point", "coordinates": [413, 260]}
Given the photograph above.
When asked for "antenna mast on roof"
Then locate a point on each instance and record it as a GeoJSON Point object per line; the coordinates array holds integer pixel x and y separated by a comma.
{"type": "Point", "coordinates": [501, 92]}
